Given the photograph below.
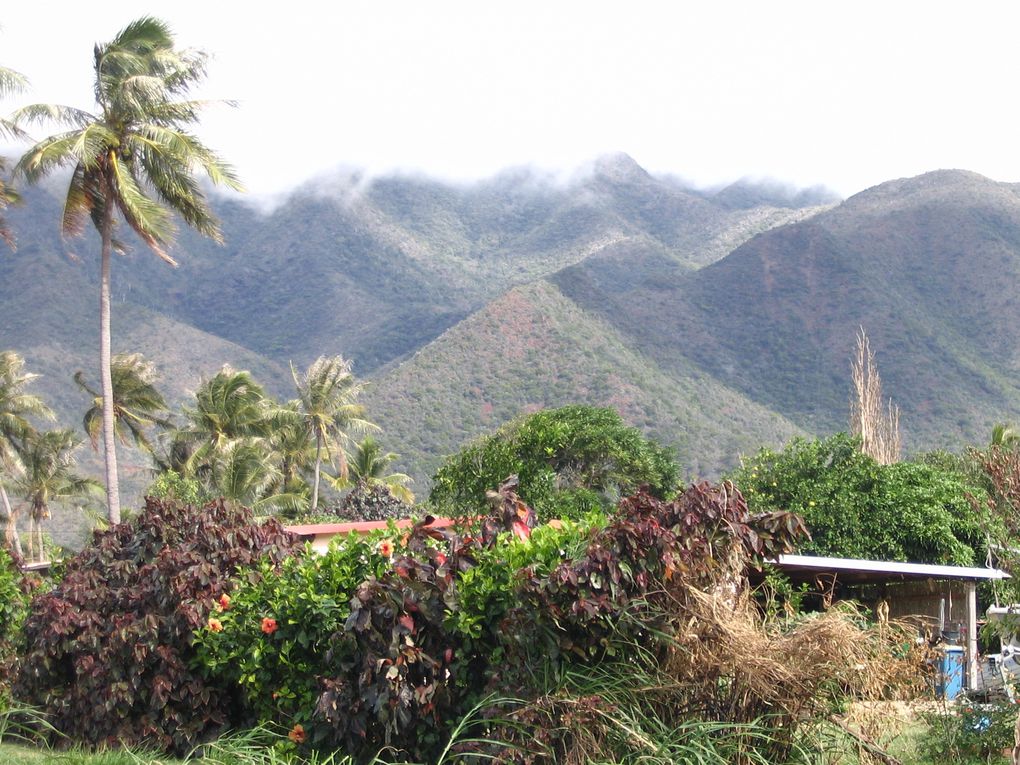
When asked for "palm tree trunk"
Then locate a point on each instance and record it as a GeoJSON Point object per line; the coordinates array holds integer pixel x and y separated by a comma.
{"type": "Point", "coordinates": [31, 537]}
{"type": "Point", "coordinates": [109, 443]}
{"type": "Point", "coordinates": [318, 464]}
{"type": "Point", "coordinates": [11, 527]}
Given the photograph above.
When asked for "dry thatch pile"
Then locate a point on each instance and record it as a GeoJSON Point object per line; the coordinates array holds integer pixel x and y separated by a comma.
{"type": "Point", "coordinates": [729, 686]}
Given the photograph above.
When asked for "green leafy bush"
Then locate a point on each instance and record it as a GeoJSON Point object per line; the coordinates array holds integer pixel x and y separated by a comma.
{"type": "Point", "coordinates": [856, 508]}
{"type": "Point", "coordinates": [15, 589]}
{"type": "Point", "coordinates": [109, 654]}
{"type": "Point", "coordinates": [969, 731]}
{"type": "Point", "coordinates": [171, 485]}
{"type": "Point", "coordinates": [276, 665]}
{"type": "Point", "coordinates": [568, 461]}
{"type": "Point", "coordinates": [388, 642]}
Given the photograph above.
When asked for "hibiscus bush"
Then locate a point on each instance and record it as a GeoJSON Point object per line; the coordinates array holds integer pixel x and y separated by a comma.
{"type": "Point", "coordinates": [109, 651]}
{"type": "Point", "coordinates": [270, 639]}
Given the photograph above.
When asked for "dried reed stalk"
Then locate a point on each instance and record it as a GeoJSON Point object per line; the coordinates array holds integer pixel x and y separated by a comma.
{"type": "Point", "coordinates": [878, 426]}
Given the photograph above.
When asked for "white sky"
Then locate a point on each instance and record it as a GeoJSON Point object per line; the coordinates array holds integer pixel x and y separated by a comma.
{"type": "Point", "coordinates": [844, 94]}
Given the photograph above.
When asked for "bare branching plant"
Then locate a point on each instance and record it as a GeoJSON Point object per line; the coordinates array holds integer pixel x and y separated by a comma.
{"type": "Point", "coordinates": [875, 422]}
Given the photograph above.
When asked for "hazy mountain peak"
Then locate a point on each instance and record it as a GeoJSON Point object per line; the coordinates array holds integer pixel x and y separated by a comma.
{"type": "Point", "coordinates": [930, 186]}
{"type": "Point", "coordinates": [619, 168]}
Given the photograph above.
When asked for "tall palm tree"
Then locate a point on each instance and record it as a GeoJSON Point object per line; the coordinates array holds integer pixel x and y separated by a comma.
{"type": "Point", "coordinates": [137, 403]}
{"type": "Point", "coordinates": [327, 401]}
{"type": "Point", "coordinates": [135, 157]}
{"type": "Point", "coordinates": [15, 407]}
{"type": "Point", "coordinates": [11, 82]}
{"type": "Point", "coordinates": [49, 476]}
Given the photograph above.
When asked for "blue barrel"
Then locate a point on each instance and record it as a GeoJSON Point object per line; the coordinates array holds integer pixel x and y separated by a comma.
{"type": "Point", "coordinates": [951, 672]}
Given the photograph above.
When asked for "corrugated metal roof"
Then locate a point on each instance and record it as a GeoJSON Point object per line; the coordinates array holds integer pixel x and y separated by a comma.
{"type": "Point", "coordinates": [876, 569]}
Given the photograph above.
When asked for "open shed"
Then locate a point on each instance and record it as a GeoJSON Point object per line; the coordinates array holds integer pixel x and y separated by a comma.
{"type": "Point", "coordinates": [910, 589]}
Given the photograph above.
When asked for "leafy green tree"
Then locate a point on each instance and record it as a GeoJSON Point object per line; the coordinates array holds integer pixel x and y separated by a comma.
{"type": "Point", "coordinates": [49, 476]}
{"type": "Point", "coordinates": [567, 460]}
{"type": "Point", "coordinates": [857, 508]}
{"type": "Point", "coordinates": [368, 467]}
{"type": "Point", "coordinates": [327, 401]}
{"type": "Point", "coordinates": [138, 405]}
{"type": "Point", "coordinates": [16, 405]}
{"type": "Point", "coordinates": [136, 156]}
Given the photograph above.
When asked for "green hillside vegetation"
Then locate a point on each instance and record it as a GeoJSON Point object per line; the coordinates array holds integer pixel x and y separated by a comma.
{"type": "Point", "coordinates": [374, 269]}
{"type": "Point", "coordinates": [923, 264]}
{"type": "Point", "coordinates": [533, 349]}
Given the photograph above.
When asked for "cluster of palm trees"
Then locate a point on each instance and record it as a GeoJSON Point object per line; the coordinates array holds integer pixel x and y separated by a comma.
{"type": "Point", "coordinates": [240, 443]}
{"type": "Point", "coordinates": [233, 440]}
{"type": "Point", "coordinates": [37, 466]}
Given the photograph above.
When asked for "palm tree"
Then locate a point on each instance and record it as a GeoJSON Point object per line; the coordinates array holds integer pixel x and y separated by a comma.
{"type": "Point", "coordinates": [48, 476]}
{"type": "Point", "coordinates": [245, 471]}
{"type": "Point", "coordinates": [136, 402]}
{"type": "Point", "coordinates": [327, 396]}
{"type": "Point", "coordinates": [367, 467]}
{"type": "Point", "coordinates": [228, 407]}
{"type": "Point", "coordinates": [292, 444]}
{"type": "Point", "coordinates": [135, 157]}
{"type": "Point", "coordinates": [11, 82]}
{"type": "Point", "coordinates": [1004, 436]}
{"type": "Point", "coordinates": [15, 406]}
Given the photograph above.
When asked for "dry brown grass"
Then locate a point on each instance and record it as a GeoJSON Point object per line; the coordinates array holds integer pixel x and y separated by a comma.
{"type": "Point", "coordinates": [734, 683]}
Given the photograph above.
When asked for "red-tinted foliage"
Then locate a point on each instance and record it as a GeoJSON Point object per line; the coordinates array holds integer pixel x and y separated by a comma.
{"type": "Point", "coordinates": [705, 537]}
{"type": "Point", "coordinates": [109, 655]}
{"type": "Point", "coordinates": [406, 678]}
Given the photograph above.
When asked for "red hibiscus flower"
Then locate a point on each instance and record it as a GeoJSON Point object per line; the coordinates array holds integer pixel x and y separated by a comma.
{"type": "Point", "coordinates": [215, 624]}
{"type": "Point", "coordinates": [269, 625]}
{"type": "Point", "coordinates": [297, 734]}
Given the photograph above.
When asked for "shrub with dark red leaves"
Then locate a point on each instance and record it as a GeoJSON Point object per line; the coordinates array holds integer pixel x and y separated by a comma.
{"type": "Point", "coordinates": [705, 537]}
{"type": "Point", "coordinates": [109, 651]}
{"type": "Point", "coordinates": [406, 680]}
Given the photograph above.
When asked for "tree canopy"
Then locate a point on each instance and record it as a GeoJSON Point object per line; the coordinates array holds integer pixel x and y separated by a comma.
{"type": "Point", "coordinates": [567, 460]}
{"type": "Point", "coordinates": [857, 508]}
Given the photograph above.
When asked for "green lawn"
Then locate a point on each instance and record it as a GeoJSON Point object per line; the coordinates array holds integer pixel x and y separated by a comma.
{"type": "Point", "coordinates": [12, 754]}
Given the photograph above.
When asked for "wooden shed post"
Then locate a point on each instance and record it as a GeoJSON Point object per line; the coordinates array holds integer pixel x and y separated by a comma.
{"type": "Point", "coordinates": [972, 646]}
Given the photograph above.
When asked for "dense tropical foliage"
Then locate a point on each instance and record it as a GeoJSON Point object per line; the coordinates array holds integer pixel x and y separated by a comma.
{"type": "Point", "coordinates": [110, 654]}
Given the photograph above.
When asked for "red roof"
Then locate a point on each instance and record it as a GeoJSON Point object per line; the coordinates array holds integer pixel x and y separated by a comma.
{"type": "Point", "coordinates": [358, 527]}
